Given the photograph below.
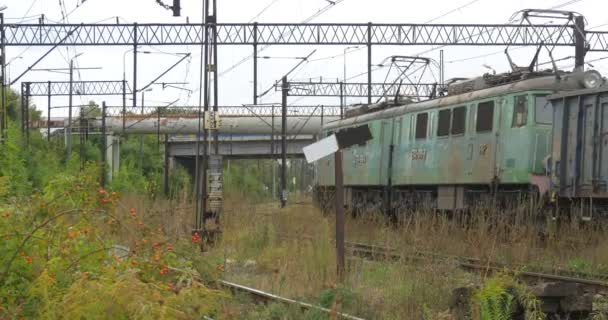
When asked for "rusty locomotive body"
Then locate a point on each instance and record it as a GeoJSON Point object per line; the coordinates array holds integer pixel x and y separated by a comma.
{"type": "Point", "coordinates": [492, 138]}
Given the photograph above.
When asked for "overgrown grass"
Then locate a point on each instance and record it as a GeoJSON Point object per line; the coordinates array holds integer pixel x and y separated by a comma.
{"type": "Point", "coordinates": [290, 252]}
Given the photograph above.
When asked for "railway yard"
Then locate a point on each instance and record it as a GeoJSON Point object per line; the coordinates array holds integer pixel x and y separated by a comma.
{"type": "Point", "coordinates": [436, 274]}
{"type": "Point", "coordinates": [160, 159]}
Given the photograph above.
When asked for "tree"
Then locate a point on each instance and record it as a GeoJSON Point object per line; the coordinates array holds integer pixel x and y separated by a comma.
{"type": "Point", "coordinates": [92, 110]}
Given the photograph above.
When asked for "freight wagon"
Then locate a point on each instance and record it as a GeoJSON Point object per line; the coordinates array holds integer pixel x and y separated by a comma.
{"type": "Point", "coordinates": [492, 139]}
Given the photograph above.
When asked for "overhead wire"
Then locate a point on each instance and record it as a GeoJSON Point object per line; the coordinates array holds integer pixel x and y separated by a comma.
{"type": "Point", "coordinates": [425, 22]}
{"type": "Point", "coordinates": [263, 10]}
{"type": "Point", "coordinates": [567, 3]}
{"type": "Point", "coordinates": [28, 11]}
{"type": "Point", "coordinates": [363, 47]}
{"type": "Point", "coordinates": [452, 11]}
{"type": "Point", "coordinates": [307, 20]}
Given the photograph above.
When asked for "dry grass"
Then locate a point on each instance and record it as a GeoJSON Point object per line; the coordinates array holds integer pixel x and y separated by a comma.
{"type": "Point", "coordinates": [259, 254]}
{"type": "Point", "coordinates": [494, 237]}
{"type": "Point", "coordinates": [256, 252]}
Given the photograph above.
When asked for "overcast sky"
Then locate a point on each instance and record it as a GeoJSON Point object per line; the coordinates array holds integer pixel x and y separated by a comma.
{"type": "Point", "coordinates": [236, 86]}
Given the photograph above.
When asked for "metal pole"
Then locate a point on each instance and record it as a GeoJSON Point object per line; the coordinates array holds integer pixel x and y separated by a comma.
{"type": "Point", "coordinates": [134, 66]}
{"type": "Point", "coordinates": [273, 153]}
{"type": "Point", "coordinates": [166, 175]}
{"type": "Point", "coordinates": [69, 131]}
{"type": "Point", "coordinates": [197, 162]}
{"type": "Point", "coordinates": [580, 48]}
{"type": "Point", "coordinates": [322, 111]}
{"type": "Point", "coordinates": [284, 92]}
{"type": "Point", "coordinates": [215, 78]}
{"type": "Point", "coordinates": [27, 114]}
{"type": "Point", "coordinates": [4, 109]}
{"type": "Point", "coordinates": [203, 171]}
{"type": "Point", "coordinates": [441, 69]}
{"type": "Point", "coordinates": [158, 130]}
{"type": "Point", "coordinates": [104, 145]}
{"type": "Point", "coordinates": [124, 103]}
{"type": "Point", "coordinates": [141, 138]}
{"type": "Point", "coordinates": [48, 113]}
{"type": "Point", "coordinates": [81, 139]}
{"type": "Point", "coordinates": [339, 215]}
{"type": "Point", "coordinates": [255, 63]}
{"type": "Point", "coordinates": [369, 63]}
{"type": "Point", "coordinates": [341, 100]}
{"type": "Point", "coordinates": [22, 110]}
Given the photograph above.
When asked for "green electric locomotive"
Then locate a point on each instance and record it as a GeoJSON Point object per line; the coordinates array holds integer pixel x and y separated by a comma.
{"type": "Point", "coordinates": [490, 138]}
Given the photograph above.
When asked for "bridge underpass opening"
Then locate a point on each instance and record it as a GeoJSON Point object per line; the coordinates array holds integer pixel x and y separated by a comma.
{"type": "Point", "coordinates": [257, 177]}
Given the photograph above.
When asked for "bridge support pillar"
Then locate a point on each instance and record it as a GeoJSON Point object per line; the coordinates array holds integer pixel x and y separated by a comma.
{"type": "Point", "coordinates": [113, 154]}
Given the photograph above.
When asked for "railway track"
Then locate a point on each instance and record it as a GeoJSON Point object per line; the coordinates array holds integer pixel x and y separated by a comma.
{"type": "Point", "coordinates": [265, 297]}
{"type": "Point", "coordinates": [373, 252]}
{"type": "Point", "coordinates": [597, 282]}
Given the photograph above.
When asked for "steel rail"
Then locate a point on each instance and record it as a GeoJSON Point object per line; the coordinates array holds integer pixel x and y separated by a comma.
{"type": "Point", "coordinates": [266, 297]}
{"type": "Point", "coordinates": [375, 252]}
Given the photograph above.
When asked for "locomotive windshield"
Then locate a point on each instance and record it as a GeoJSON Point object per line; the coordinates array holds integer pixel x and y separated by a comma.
{"type": "Point", "coordinates": [544, 113]}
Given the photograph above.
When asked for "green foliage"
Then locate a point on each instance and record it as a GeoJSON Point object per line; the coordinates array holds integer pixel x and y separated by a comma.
{"type": "Point", "coordinates": [495, 301]}
{"type": "Point", "coordinates": [62, 237]}
{"type": "Point", "coordinates": [13, 107]}
{"type": "Point", "coordinates": [13, 168]}
{"type": "Point", "coordinates": [501, 296]}
{"type": "Point", "coordinates": [579, 265]}
{"type": "Point", "coordinates": [60, 260]}
{"type": "Point", "coordinates": [244, 177]}
{"type": "Point", "coordinates": [328, 297]}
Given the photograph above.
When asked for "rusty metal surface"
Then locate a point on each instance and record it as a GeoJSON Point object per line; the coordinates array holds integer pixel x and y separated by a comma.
{"type": "Point", "coordinates": [580, 144]}
{"type": "Point", "coordinates": [571, 82]}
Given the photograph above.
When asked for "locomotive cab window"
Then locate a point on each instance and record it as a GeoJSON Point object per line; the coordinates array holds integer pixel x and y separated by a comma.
{"type": "Point", "coordinates": [485, 116]}
{"type": "Point", "coordinates": [520, 111]}
{"type": "Point", "coordinates": [443, 128]}
{"type": "Point", "coordinates": [544, 112]}
{"type": "Point", "coordinates": [422, 120]}
{"type": "Point", "coordinates": [459, 116]}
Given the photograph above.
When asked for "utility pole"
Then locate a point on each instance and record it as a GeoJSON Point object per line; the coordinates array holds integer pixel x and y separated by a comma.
{"type": "Point", "coordinates": [69, 130]}
{"type": "Point", "coordinates": [3, 108]}
{"type": "Point", "coordinates": [70, 98]}
{"type": "Point", "coordinates": [340, 250]}
{"type": "Point", "coordinates": [580, 45]}
{"type": "Point", "coordinates": [104, 145]}
{"type": "Point", "coordinates": [48, 113]}
{"type": "Point", "coordinates": [141, 138]}
{"type": "Point", "coordinates": [284, 92]}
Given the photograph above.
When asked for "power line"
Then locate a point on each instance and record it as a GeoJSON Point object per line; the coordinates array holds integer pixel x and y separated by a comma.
{"type": "Point", "coordinates": [569, 2]}
{"type": "Point", "coordinates": [452, 11]}
{"type": "Point", "coordinates": [428, 21]}
{"type": "Point", "coordinates": [28, 11]}
{"type": "Point", "coordinates": [263, 10]}
{"type": "Point", "coordinates": [312, 17]}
